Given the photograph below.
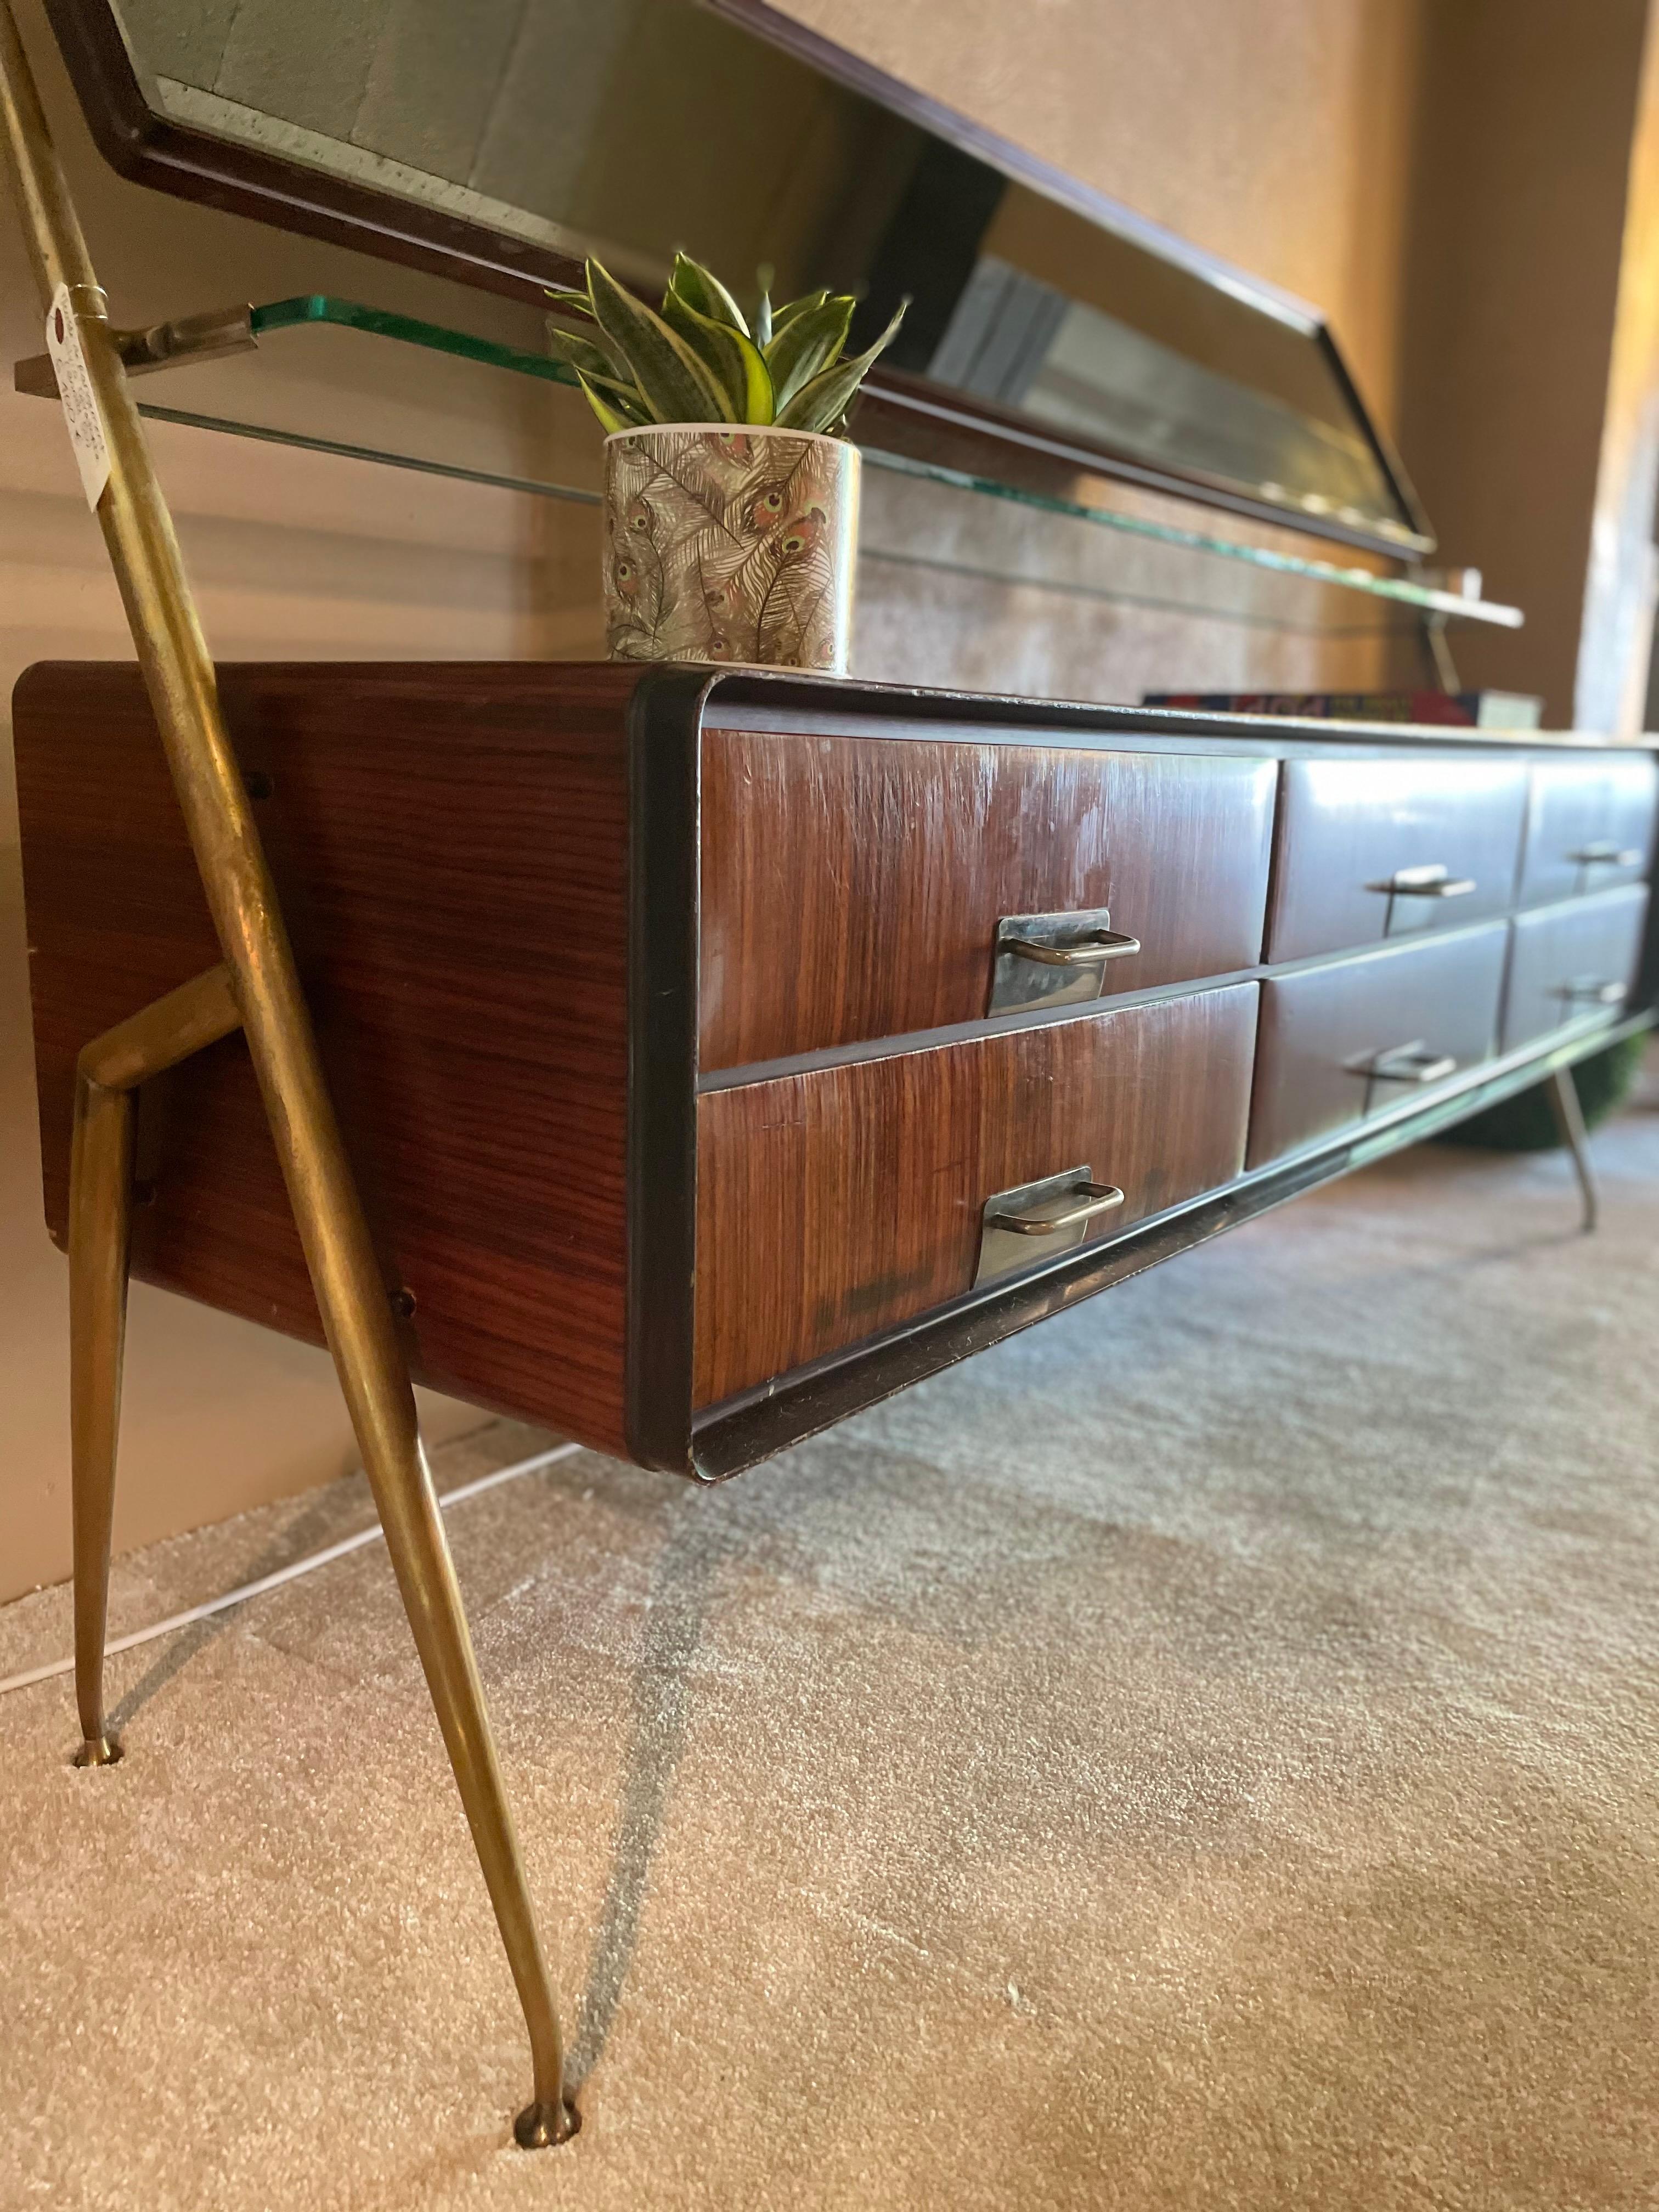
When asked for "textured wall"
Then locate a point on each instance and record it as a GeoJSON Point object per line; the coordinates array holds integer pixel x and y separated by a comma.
{"type": "Point", "coordinates": [1524, 142]}
{"type": "Point", "coordinates": [1616, 639]}
{"type": "Point", "coordinates": [1274, 132]}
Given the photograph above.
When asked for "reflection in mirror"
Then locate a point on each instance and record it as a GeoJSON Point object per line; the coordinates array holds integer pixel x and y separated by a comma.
{"type": "Point", "coordinates": [630, 127]}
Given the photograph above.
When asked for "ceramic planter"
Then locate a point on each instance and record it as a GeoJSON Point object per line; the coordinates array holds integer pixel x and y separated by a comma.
{"type": "Point", "coordinates": [729, 545]}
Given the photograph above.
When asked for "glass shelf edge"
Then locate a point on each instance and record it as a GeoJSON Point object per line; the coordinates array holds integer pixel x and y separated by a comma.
{"type": "Point", "coordinates": [1452, 605]}
{"type": "Point", "coordinates": [535, 486]}
{"type": "Point", "coordinates": [325, 308]}
{"type": "Point", "coordinates": [314, 308]}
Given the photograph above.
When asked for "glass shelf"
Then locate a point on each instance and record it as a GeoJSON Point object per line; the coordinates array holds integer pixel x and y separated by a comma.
{"type": "Point", "coordinates": [227, 409]}
{"type": "Point", "coordinates": [349, 314]}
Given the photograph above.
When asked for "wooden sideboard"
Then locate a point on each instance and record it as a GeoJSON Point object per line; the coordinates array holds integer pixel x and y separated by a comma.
{"type": "Point", "coordinates": [699, 1035]}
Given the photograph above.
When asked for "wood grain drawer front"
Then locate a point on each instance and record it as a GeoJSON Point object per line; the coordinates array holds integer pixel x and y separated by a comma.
{"type": "Point", "coordinates": [851, 886]}
{"type": "Point", "coordinates": [1591, 826]}
{"type": "Point", "coordinates": [838, 1202]}
{"type": "Point", "coordinates": [1422, 1004]}
{"type": "Point", "coordinates": [1572, 962]}
{"type": "Point", "coordinates": [1444, 833]}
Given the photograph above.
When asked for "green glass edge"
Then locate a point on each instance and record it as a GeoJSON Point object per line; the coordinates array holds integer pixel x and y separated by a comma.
{"type": "Point", "coordinates": [409, 330]}
{"type": "Point", "coordinates": [300, 441]}
{"type": "Point", "coordinates": [1450, 603]}
{"type": "Point", "coordinates": [315, 307]}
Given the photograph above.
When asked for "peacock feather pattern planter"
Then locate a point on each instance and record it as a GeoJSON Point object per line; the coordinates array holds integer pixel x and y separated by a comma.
{"type": "Point", "coordinates": [734, 545]}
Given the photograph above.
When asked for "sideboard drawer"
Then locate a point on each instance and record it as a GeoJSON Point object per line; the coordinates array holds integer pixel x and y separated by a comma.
{"type": "Point", "coordinates": [838, 1202]}
{"type": "Point", "coordinates": [1370, 849]}
{"type": "Point", "coordinates": [1572, 962]}
{"type": "Point", "coordinates": [1340, 1043]}
{"type": "Point", "coordinates": [851, 886]}
{"type": "Point", "coordinates": [1591, 826]}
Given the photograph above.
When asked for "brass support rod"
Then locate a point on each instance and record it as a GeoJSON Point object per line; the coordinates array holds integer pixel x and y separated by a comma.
{"type": "Point", "coordinates": [165, 1032]}
{"type": "Point", "coordinates": [99, 1221]}
{"type": "Point", "coordinates": [351, 1295]}
{"type": "Point", "coordinates": [100, 1200]}
{"type": "Point", "coordinates": [210, 336]}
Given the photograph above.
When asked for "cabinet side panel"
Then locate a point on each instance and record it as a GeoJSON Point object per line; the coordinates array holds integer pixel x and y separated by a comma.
{"type": "Point", "coordinates": [450, 844]}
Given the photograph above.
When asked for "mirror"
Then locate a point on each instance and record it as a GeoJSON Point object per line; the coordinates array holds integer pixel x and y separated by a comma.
{"type": "Point", "coordinates": [1051, 333]}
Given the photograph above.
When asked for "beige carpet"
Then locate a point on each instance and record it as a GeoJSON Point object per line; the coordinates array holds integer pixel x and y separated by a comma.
{"type": "Point", "coordinates": [1202, 1754]}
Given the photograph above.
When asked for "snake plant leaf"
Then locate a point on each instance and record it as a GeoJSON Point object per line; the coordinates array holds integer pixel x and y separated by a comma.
{"type": "Point", "coordinates": [782, 317]}
{"type": "Point", "coordinates": [702, 290]}
{"type": "Point", "coordinates": [731, 355]}
{"type": "Point", "coordinates": [578, 352]}
{"type": "Point", "coordinates": [675, 385]}
{"type": "Point", "coordinates": [761, 329]}
{"type": "Point", "coordinates": [567, 300]}
{"type": "Point", "coordinates": [624, 396]}
{"type": "Point", "coordinates": [821, 402]}
{"type": "Point", "coordinates": [807, 345]}
{"type": "Point", "coordinates": [610, 403]}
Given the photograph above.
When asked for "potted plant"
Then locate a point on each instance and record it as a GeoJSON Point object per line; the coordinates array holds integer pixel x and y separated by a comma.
{"type": "Point", "coordinates": [731, 492]}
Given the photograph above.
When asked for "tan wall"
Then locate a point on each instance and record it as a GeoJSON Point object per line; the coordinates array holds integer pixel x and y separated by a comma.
{"type": "Point", "coordinates": [1616, 637]}
{"type": "Point", "coordinates": [1524, 148]}
{"type": "Point", "coordinates": [1275, 132]}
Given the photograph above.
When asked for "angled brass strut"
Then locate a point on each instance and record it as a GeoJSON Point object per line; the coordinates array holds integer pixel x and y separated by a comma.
{"type": "Point", "coordinates": [256, 990]}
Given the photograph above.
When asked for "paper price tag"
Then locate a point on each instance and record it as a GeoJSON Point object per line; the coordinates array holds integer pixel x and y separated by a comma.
{"type": "Point", "coordinates": [86, 424]}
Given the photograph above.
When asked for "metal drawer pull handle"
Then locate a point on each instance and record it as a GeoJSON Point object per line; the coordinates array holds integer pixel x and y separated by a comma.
{"type": "Point", "coordinates": [1604, 854]}
{"type": "Point", "coordinates": [1432, 880]}
{"type": "Point", "coordinates": [1089, 952]}
{"type": "Point", "coordinates": [1590, 993]}
{"type": "Point", "coordinates": [1406, 1063]}
{"type": "Point", "coordinates": [1097, 1198]}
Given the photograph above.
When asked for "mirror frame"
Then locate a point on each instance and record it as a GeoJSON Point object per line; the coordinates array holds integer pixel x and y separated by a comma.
{"type": "Point", "coordinates": [901, 412]}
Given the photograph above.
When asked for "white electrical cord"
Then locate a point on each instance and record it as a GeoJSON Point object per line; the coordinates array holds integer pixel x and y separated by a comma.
{"type": "Point", "coordinates": [371, 1535]}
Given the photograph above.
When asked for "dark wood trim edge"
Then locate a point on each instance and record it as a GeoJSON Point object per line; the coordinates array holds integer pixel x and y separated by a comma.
{"type": "Point", "coordinates": [759, 693]}
{"type": "Point", "coordinates": [663, 737]}
{"type": "Point", "coordinates": [1387, 459]}
{"type": "Point", "coordinates": [165, 155]}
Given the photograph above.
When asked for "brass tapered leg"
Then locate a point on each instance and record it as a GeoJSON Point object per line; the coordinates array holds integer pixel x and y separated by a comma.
{"type": "Point", "coordinates": [99, 1224]}
{"type": "Point", "coordinates": [415, 1539]}
{"type": "Point", "coordinates": [1563, 1093]}
{"type": "Point", "coordinates": [101, 1176]}
{"type": "Point", "coordinates": [258, 986]}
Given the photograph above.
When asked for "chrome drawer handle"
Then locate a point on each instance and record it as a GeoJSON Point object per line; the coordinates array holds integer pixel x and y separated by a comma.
{"type": "Point", "coordinates": [1432, 880]}
{"type": "Point", "coordinates": [1404, 1063]}
{"type": "Point", "coordinates": [1606, 854]}
{"type": "Point", "coordinates": [1592, 993]}
{"type": "Point", "coordinates": [1096, 1197]}
{"type": "Point", "coordinates": [1091, 952]}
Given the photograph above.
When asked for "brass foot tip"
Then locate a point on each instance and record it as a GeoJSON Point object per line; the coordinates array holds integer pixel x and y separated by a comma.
{"type": "Point", "coordinates": [98, 1751]}
{"type": "Point", "coordinates": [544, 2124]}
